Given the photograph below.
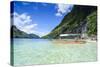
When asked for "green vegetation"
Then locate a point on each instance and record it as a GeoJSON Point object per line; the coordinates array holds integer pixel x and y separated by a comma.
{"type": "Point", "coordinates": [92, 23]}
{"type": "Point", "coordinates": [16, 33]}
{"type": "Point", "coordinates": [74, 21]}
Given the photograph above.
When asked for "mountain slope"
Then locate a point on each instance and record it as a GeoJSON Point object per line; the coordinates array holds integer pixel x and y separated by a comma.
{"type": "Point", "coordinates": [92, 23]}
{"type": "Point", "coordinates": [75, 21]}
{"type": "Point", "coordinates": [16, 33]}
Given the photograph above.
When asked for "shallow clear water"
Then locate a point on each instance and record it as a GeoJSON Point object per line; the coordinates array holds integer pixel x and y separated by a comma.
{"type": "Point", "coordinates": [39, 51]}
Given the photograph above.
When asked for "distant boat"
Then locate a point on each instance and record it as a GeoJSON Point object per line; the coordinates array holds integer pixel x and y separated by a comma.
{"type": "Point", "coordinates": [71, 36]}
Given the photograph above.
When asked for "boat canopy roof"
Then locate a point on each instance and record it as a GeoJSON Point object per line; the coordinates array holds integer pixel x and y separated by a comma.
{"type": "Point", "coordinates": [69, 34]}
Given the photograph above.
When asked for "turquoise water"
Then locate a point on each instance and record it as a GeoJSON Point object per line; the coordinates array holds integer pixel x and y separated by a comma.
{"type": "Point", "coordinates": [39, 51]}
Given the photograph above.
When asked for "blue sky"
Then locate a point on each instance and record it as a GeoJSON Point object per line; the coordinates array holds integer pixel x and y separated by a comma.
{"type": "Point", "coordinates": [38, 18]}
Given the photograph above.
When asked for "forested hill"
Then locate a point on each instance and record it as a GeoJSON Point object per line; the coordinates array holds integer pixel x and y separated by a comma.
{"type": "Point", "coordinates": [16, 33]}
{"type": "Point", "coordinates": [76, 20]}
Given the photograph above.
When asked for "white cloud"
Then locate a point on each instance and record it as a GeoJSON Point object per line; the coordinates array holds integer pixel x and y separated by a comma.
{"type": "Point", "coordinates": [30, 26]}
{"type": "Point", "coordinates": [24, 22]}
{"type": "Point", "coordinates": [58, 14]}
{"type": "Point", "coordinates": [62, 9]}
